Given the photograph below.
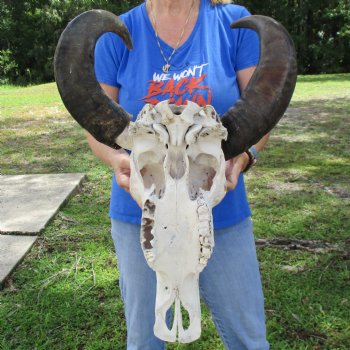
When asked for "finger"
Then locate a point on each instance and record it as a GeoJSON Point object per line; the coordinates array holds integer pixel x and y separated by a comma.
{"type": "Point", "coordinates": [124, 163]}
{"type": "Point", "coordinates": [231, 183]}
{"type": "Point", "coordinates": [124, 182]}
{"type": "Point", "coordinates": [228, 167]}
{"type": "Point", "coordinates": [229, 186]}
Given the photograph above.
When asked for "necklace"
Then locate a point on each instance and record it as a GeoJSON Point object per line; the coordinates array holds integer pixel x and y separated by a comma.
{"type": "Point", "coordinates": [167, 65]}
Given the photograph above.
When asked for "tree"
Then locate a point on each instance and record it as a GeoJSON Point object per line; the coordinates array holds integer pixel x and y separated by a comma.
{"type": "Point", "coordinates": [30, 29]}
{"type": "Point", "coordinates": [320, 30]}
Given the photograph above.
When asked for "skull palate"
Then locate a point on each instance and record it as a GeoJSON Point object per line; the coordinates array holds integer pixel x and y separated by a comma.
{"type": "Point", "coordinates": [177, 176]}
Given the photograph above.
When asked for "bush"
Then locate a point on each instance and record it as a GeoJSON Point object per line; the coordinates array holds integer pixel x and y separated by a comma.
{"type": "Point", "coordinates": [8, 67]}
{"type": "Point", "coordinates": [30, 29]}
{"type": "Point", "coordinates": [29, 32]}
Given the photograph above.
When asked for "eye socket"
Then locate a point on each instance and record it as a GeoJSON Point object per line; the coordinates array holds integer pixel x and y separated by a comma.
{"type": "Point", "coordinates": [151, 169]}
{"type": "Point", "coordinates": [202, 173]}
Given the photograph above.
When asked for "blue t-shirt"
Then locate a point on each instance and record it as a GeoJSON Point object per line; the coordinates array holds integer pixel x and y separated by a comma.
{"type": "Point", "coordinates": [203, 70]}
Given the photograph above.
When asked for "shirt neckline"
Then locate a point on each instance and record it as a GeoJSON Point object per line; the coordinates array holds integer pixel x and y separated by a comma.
{"type": "Point", "coordinates": [166, 47]}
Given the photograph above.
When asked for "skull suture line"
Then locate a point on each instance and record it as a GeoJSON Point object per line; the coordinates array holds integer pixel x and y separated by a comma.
{"type": "Point", "coordinates": [177, 163]}
{"type": "Point", "coordinates": [177, 176]}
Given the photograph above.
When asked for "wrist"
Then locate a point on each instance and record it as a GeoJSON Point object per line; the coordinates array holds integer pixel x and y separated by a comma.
{"type": "Point", "coordinates": [242, 162]}
{"type": "Point", "coordinates": [252, 155]}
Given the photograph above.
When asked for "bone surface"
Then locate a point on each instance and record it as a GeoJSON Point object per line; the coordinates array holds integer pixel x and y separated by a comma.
{"type": "Point", "coordinates": [177, 176]}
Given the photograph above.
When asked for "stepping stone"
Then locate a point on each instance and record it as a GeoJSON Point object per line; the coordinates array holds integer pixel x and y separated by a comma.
{"type": "Point", "coordinates": [12, 251]}
{"type": "Point", "coordinates": [28, 202]}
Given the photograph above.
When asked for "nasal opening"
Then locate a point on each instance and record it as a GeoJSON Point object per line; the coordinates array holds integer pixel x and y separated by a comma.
{"type": "Point", "coordinates": [177, 110]}
{"type": "Point", "coordinates": [183, 329]}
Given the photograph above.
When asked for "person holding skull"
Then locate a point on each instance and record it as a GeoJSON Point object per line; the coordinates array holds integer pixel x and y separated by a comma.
{"type": "Point", "coordinates": [186, 51]}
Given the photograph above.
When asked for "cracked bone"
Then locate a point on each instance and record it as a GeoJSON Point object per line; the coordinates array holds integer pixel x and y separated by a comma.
{"type": "Point", "coordinates": [177, 177]}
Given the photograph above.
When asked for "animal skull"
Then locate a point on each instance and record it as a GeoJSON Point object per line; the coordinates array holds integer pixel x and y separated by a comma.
{"type": "Point", "coordinates": [176, 157]}
{"type": "Point", "coordinates": [177, 176]}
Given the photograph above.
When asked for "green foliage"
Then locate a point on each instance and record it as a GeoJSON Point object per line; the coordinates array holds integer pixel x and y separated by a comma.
{"type": "Point", "coordinates": [320, 30]}
{"type": "Point", "coordinates": [29, 31]}
{"type": "Point", "coordinates": [8, 67]}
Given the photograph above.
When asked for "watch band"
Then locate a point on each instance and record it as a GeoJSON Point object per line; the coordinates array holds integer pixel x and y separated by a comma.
{"type": "Point", "coordinates": [253, 156]}
{"type": "Point", "coordinates": [255, 152]}
{"type": "Point", "coordinates": [251, 160]}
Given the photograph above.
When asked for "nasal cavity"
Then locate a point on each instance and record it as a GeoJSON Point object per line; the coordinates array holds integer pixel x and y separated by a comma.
{"type": "Point", "coordinates": [177, 110]}
{"type": "Point", "coordinates": [180, 318]}
{"type": "Point", "coordinates": [176, 165]}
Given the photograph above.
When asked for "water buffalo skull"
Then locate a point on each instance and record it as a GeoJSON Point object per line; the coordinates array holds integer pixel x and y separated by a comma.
{"type": "Point", "coordinates": [178, 152]}
{"type": "Point", "coordinates": [177, 176]}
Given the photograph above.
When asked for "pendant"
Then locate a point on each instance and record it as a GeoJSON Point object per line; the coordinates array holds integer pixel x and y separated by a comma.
{"type": "Point", "coordinates": [166, 68]}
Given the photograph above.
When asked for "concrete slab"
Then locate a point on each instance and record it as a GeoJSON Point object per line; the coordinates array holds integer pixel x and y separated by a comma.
{"type": "Point", "coordinates": [28, 202]}
{"type": "Point", "coordinates": [12, 251]}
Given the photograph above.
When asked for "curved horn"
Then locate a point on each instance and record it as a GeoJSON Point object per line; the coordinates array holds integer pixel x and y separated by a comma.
{"type": "Point", "coordinates": [75, 75]}
{"type": "Point", "coordinates": [269, 91]}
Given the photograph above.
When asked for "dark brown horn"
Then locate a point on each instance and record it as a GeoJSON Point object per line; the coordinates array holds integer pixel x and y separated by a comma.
{"type": "Point", "coordinates": [75, 75]}
{"type": "Point", "coordinates": [269, 91]}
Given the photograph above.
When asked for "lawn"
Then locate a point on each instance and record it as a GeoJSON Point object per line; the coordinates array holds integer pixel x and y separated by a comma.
{"type": "Point", "coordinates": [65, 293]}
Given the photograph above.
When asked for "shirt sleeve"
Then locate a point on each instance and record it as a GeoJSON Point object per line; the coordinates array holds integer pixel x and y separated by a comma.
{"type": "Point", "coordinates": [108, 53]}
{"type": "Point", "coordinates": [248, 47]}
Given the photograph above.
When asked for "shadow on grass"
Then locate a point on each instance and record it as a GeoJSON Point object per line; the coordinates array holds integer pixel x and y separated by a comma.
{"type": "Point", "coordinates": [322, 106]}
{"type": "Point", "coordinates": [300, 214]}
{"type": "Point", "coordinates": [313, 134]}
{"type": "Point", "coordinates": [309, 306]}
{"type": "Point", "coordinates": [56, 150]}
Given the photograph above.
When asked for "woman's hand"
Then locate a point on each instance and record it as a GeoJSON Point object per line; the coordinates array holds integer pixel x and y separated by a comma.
{"type": "Point", "coordinates": [121, 167]}
{"type": "Point", "coordinates": [234, 167]}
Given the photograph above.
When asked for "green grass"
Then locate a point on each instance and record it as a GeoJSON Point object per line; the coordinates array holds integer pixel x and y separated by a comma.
{"type": "Point", "coordinates": [321, 87]}
{"type": "Point", "coordinates": [65, 293]}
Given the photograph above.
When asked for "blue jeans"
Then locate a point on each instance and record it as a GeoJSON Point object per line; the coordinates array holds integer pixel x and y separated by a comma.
{"type": "Point", "coordinates": [229, 285]}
